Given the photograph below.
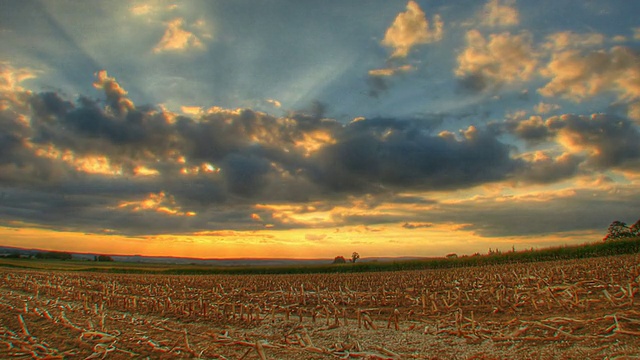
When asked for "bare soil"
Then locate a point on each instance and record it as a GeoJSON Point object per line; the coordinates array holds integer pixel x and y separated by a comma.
{"type": "Point", "coordinates": [579, 309]}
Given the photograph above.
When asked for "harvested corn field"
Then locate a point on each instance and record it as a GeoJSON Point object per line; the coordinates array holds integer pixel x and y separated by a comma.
{"type": "Point", "coordinates": [567, 309]}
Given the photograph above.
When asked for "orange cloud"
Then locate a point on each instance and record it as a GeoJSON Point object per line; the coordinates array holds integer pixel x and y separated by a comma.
{"type": "Point", "coordinates": [502, 58]}
{"type": "Point", "coordinates": [177, 39]}
{"type": "Point", "coordinates": [116, 95]}
{"type": "Point", "coordinates": [412, 28]}
{"type": "Point", "coordinates": [579, 76]}
{"type": "Point", "coordinates": [567, 39]}
{"type": "Point", "coordinates": [391, 71]}
{"type": "Point", "coordinates": [157, 202]}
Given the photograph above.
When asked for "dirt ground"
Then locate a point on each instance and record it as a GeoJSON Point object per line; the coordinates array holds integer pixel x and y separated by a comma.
{"type": "Point", "coordinates": [583, 309]}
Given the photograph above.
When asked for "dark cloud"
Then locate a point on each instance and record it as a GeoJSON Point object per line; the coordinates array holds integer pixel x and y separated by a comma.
{"type": "Point", "coordinates": [611, 141]}
{"type": "Point", "coordinates": [79, 163]}
{"type": "Point", "coordinates": [542, 214]}
{"type": "Point", "coordinates": [378, 85]}
{"type": "Point", "coordinates": [529, 215]}
{"type": "Point", "coordinates": [246, 175]}
{"type": "Point", "coordinates": [412, 226]}
{"type": "Point", "coordinates": [597, 142]}
{"type": "Point", "coordinates": [385, 153]}
{"type": "Point", "coordinates": [544, 169]}
{"type": "Point", "coordinates": [472, 83]}
{"type": "Point", "coordinates": [532, 130]}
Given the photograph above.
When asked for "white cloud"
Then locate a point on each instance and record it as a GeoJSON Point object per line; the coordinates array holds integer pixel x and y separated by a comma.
{"type": "Point", "coordinates": [497, 14]}
{"type": "Point", "coordinates": [412, 28]}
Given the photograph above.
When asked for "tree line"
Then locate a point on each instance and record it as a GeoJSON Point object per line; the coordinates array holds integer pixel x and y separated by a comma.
{"type": "Point", "coordinates": [619, 230]}
{"type": "Point", "coordinates": [341, 260]}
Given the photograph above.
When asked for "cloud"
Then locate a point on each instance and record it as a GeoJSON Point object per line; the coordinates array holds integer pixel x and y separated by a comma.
{"type": "Point", "coordinates": [543, 168]}
{"type": "Point", "coordinates": [177, 39]}
{"type": "Point", "coordinates": [373, 155]}
{"type": "Point", "coordinates": [159, 202]}
{"type": "Point", "coordinates": [412, 226]}
{"type": "Point", "coordinates": [636, 33]}
{"type": "Point", "coordinates": [315, 237]}
{"type": "Point", "coordinates": [535, 214]}
{"type": "Point", "coordinates": [578, 76]}
{"type": "Point", "coordinates": [533, 129]}
{"type": "Point", "coordinates": [569, 40]}
{"type": "Point", "coordinates": [141, 9]}
{"type": "Point", "coordinates": [607, 141]}
{"type": "Point", "coordinates": [602, 141]}
{"type": "Point", "coordinates": [543, 108]}
{"type": "Point", "coordinates": [274, 103]}
{"type": "Point", "coordinates": [500, 59]}
{"type": "Point", "coordinates": [391, 71]}
{"type": "Point", "coordinates": [411, 28]}
{"type": "Point", "coordinates": [115, 94]}
{"type": "Point", "coordinates": [11, 77]}
{"type": "Point", "coordinates": [143, 170]}
{"type": "Point", "coordinates": [497, 14]}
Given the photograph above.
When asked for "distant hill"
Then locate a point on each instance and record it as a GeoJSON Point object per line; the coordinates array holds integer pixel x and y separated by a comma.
{"type": "Point", "coordinates": [6, 250]}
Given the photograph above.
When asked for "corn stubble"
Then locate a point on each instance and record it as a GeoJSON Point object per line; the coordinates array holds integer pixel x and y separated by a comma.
{"type": "Point", "coordinates": [586, 308]}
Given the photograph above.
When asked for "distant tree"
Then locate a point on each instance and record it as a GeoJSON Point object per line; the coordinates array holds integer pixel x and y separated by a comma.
{"type": "Point", "coordinates": [619, 230]}
{"type": "Point", "coordinates": [635, 228]}
{"type": "Point", "coordinates": [355, 256]}
{"type": "Point", "coordinates": [452, 256]}
{"type": "Point", "coordinates": [14, 255]}
{"type": "Point", "coordinates": [339, 260]}
{"type": "Point", "coordinates": [55, 255]}
{"type": "Point", "coordinates": [104, 258]}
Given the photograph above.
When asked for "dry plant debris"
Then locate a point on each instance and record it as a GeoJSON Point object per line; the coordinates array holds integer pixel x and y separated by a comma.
{"type": "Point", "coordinates": [567, 309]}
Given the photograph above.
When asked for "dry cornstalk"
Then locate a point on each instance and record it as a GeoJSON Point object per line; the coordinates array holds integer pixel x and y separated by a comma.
{"type": "Point", "coordinates": [23, 326]}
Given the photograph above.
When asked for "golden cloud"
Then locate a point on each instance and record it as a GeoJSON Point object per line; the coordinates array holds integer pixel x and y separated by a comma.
{"type": "Point", "coordinates": [157, 202]}
{"type": "Point", "coordinates": [391, 71]}
{"type": "Point", "coordinates": [578, 76]}
{"type": "Point", "coordinates": [502, 58]}
{"type": "Point", "coordinates": [566, 39]}
{"type": "Point", "coordinates": [177, 39]}
{"type": "Point", "coordinates": [412, 28]}
{"type": "Point", "coordinates": [114, 92]}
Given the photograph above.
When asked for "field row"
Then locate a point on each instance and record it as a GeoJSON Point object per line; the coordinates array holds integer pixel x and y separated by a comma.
{"type": "Point", "coordinates": [583, 303]}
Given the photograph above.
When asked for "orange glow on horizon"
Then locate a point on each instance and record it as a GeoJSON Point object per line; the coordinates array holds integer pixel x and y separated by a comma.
{"type": "Point", "coordinates": [327, 243]}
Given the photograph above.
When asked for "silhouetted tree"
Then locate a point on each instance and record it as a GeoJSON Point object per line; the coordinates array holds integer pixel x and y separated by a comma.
{"type": "Point", "coordinates": [635, 228]}
{"type": "Point", "coordinates": [339, 260]}
{"type": "Point", "coordinates": [355, 256]}
{"type": "Point", "coordinates": [103, 258]}
{"type": "Point", "coordinates": [619, 230]}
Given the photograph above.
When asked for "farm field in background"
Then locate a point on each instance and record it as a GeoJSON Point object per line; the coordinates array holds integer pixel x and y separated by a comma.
{"type": "Point", "coordinates": [583, 308]}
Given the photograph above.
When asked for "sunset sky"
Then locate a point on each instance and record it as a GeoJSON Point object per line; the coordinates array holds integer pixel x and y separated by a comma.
{"type": "Point", "coordinates": [310, 129]}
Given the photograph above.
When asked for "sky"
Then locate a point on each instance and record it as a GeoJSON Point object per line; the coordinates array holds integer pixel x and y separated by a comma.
{"type": "Point", "coordinates": [312, 129]}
